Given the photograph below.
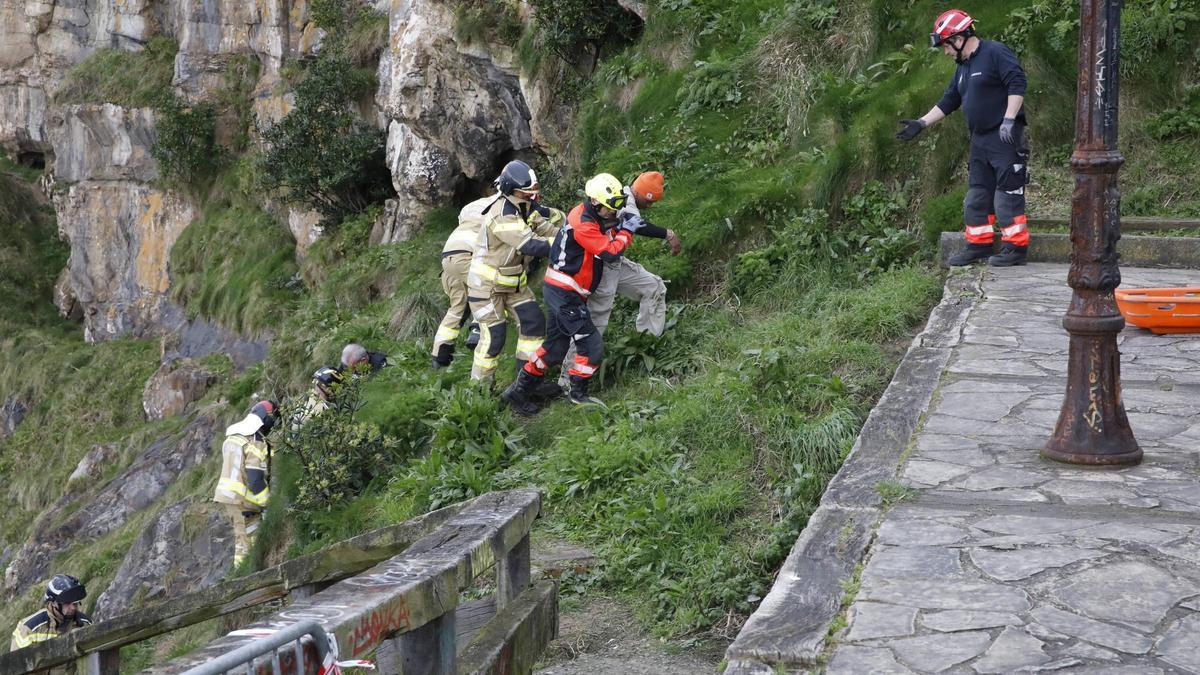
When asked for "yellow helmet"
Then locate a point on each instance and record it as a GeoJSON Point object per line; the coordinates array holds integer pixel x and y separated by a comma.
{"type": "Point", "coordinates": [606, 190]}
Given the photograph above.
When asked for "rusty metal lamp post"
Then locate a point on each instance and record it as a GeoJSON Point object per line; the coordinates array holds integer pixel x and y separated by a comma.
{"type": "Point", "coordinates": [1092, 427]}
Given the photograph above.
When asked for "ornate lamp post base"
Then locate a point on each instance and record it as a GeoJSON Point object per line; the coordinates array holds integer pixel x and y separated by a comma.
{"type": "Point", "coordinates": [1092, 427]}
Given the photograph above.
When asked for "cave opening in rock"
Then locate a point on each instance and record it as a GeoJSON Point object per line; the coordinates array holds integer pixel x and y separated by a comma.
{"type": "Point", "coordinates": [31, 159]}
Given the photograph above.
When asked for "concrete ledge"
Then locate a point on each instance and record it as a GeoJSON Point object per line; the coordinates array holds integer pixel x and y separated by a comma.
{"type": "Point", "coordinates": [1136, 251]}
{"type": "Point", "coordinates": [790, 626]}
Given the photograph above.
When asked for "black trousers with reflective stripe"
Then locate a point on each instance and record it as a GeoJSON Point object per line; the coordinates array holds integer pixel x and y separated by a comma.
{"type": "Point", "coordinates": [567, 320]}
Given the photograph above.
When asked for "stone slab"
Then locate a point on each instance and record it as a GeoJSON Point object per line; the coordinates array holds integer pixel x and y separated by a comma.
{"type": "Point", "coordinates": [870, 620]}
{"type": "Point", "coordinates": [1097, 632]}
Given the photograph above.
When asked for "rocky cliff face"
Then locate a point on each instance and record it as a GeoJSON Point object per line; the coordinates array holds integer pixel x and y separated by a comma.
{"type": "Point", "coordinates": [189, 546]}
{"type": "Point", "coordinates": [453, 112]}
{"type": "Point", "coordinates": [68, 523]}
{"type": "Point", "coordinates": [41, 39]}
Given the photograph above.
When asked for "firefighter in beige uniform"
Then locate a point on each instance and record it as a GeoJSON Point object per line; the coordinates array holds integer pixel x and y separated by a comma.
{"type": "Point", "coordinates": [456, 262]}
{"type": "Point", "coordinates": [243, 487]}
{"type": "Point", "coordinates": [515, 230]}
{"type": "Point", "coordinates": [61, 613]}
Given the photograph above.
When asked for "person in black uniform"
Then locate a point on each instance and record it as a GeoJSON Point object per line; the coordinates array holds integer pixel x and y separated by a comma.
{"type": "Point", "coordinates": [989, 85]}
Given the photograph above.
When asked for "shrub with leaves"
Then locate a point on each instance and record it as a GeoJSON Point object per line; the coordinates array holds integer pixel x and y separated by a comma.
{"type": "Point", "coordinates": [185, 146]}
{"type": "Point", "coordinates": [473, 438]}
{"type": "Point", "coordinates": [321, 155]}
{"type": "Point", "coordinates": [1178, 122]}
{"type": "Point", "coordinates": [339, 455]}
{"type": "Point", "coordinates": [874, 234]}
{"type": "Point", "coordinates": [565, 27]}
{"type": "Point", "coordinates": [711, 86]}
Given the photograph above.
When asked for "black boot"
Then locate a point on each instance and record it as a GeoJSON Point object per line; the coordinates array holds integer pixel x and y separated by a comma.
{"type": "Point", "coordinates": [579, 391]}
{"type": "Point", "coordinates": [973, 253]}
{"type": "Point", "coordinates": [547, 390]}
{"type": "Point", "coordinates": [444, 356]}
{"type": "Point", "coordinates": [1009, 256]}
{"type": "Point", "coordinates": [519, 394]}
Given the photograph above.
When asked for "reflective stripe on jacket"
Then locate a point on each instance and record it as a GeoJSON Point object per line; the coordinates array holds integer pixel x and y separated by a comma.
{"type": "Point", "coordinates": [498, 263]}
{"type": "Point", "coordinates": [579, 246]}
{"type": "Point", "coordinates": [38, 627]}
{"type": "Point", "coordinates": [241, 455]}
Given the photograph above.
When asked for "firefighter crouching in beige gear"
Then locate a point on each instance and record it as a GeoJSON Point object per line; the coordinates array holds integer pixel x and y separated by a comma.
{"type": "Point", "coordinates": [59, 615]}
{"type": "Point", "coordinates": [515, 231]}
{"type": "Point", "coordinates": [456, 262]}
{"type": "Point", "coordinates": [243, 487]}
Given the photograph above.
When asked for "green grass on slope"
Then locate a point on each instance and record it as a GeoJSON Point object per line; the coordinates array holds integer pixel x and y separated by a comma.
{"type": "Point", "coordinates": [719, 437]}
{"type": "Point", "coordinates": [131, 79]}
{"type": "Point", "coordinates": [236, 264]}
{"type": "Point", "coordinates": [78, 395]}
{"type": "Point", "coordinates": [30, 256]}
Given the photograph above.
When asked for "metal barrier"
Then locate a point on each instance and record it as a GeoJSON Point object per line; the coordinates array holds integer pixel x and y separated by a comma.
{"type": "Point", "coordinates": [245, 656]}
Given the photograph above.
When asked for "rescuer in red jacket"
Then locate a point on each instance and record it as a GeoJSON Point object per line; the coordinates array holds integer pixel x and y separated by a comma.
{"type": "Point", "coordinates": [592, 236]}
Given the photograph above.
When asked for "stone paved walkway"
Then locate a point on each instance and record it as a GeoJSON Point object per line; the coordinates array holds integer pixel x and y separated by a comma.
{"type": "Point", "coordinates": [1003, 562]}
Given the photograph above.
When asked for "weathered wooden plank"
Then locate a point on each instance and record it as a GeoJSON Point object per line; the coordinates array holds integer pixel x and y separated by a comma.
{"type": "Point", "coordinates": [337, 561]}
{"type": "Point", "coordinates": [512, 572]}
{"type": "Point", "coordinates": [470, 617]}
{"type": "Point", "coordinates": [411, 589]}
{"type": "Point", "coordinates": [512, 642]}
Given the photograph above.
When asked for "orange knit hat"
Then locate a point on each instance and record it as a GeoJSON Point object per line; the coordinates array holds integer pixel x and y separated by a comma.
{"type": "Point", "coordinates": [649, 186]}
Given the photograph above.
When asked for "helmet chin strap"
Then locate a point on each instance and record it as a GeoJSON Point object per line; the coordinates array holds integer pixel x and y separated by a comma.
{"type": "Point", "coordinates": [958, 50]}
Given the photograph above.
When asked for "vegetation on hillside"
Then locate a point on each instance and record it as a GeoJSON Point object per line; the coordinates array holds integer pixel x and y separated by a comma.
{"type": "Point", "coordinates": [805, 225]}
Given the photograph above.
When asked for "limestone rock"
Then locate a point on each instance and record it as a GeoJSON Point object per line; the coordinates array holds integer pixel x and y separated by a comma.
{"type": "Point", "coordinates": [64, 297]}
{"type": "Point", "coordinates": [102, 142]}
{"type": "Point", "coordinates": [39, 42]}
{"type": "Point", "coordinates": [92, 466]}
{"type": "Point", "coordinates": [306, 228]}
{"type": "Point", "coordinates": [455, 113]}
{"type": "Point", "coordinates": [22, 113]}
{"type": "Point", "coordinates": [121, 235]}
{"type": "Point", "coordinates": [212, 31]}
{"type": "Point", "coordinates": [173, 386]}
{"type": "Point", "coordinates": [186, 548]}
{"type": "Point", "coordinates": [639, 7]}
{"type": "Point", "coordinates": [69, 523]}
{"type": "Point", "coordinates": [198, 337]}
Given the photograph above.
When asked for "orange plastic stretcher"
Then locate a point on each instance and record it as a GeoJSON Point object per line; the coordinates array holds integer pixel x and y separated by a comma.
{"type": "Point", "coordinates": [1161, 310]}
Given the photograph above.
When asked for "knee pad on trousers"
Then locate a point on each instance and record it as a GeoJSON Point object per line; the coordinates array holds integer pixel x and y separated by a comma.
{"type": "Point", "coordinates": [496, 334]}
{"type": "Point", "coordinates": [533, 322]}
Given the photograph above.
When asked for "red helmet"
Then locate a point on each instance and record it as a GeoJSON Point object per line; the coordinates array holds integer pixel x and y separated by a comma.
{"type": "Point", "coordinates": [951, 22]}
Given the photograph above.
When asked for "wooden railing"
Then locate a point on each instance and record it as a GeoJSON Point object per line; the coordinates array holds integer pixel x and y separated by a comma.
{"type": "Point", "coordinates": [404, 609]}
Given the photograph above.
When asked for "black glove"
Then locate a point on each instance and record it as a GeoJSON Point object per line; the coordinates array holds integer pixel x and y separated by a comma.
{"type": "Point", "coordinates": [912, 128]}
{"type": "Point", "coordinates": [1007, 129]}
